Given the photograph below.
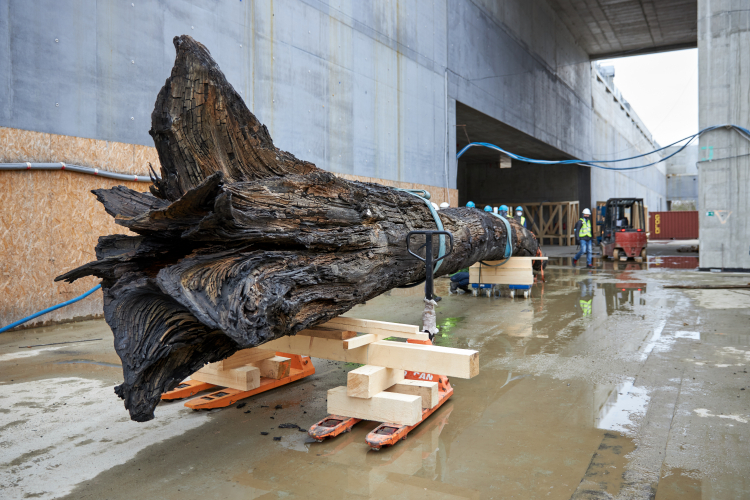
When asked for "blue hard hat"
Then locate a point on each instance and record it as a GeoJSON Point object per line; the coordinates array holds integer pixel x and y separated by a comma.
{"type": "Point", "coordinates": [470, 205]}
{"type": "Point", "coordinates": [519, 209]}
{"type": "Point", "coordinates": [488, 208]}
{"type": "Point", "coordinates": [503, 208]}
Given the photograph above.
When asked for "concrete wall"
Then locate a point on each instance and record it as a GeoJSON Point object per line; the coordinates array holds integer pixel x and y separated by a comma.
{"type": "Point", "coordinates": [355, 87]}
{"type": "Point", "coordinates": [724, 87]}
{"type": "Point", "coordinates": [618, 133]}
{"type": "Point", "coordinates": [516, 62]}
{"type": "Point", "coordinates": [682, 176]}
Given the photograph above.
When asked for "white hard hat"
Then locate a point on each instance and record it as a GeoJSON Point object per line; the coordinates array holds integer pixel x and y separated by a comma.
{"type": "Point", "coordinates": [435, 206]}
{"type": "Point", "coordinates": [586, 211]}
{"type": "Point", "coordinates": [444, 204]}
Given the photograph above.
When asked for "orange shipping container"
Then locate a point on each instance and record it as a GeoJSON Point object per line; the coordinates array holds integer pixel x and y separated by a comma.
{"type": "Point", "coordinates": [681, 225]}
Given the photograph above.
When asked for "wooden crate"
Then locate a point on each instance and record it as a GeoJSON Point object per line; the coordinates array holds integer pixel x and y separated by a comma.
{"type": "Point", "coordinates": [552, 222]}
{"type": "Point", "coordinates": [516, 271]}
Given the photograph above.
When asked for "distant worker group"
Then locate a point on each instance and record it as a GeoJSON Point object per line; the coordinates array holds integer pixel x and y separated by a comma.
{"type": "Point", "coordinates": [502, 211]}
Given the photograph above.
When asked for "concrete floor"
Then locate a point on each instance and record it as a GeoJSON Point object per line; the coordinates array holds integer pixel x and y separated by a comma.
{"type": "Point", "coordinates": [645, 396]}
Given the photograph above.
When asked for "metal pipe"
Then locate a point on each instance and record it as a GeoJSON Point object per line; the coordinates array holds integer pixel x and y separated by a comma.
{"type": "Point", "coordinates": [75, 168]}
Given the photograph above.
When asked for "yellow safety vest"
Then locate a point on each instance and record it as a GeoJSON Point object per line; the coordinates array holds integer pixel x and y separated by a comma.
{"type": "Point", "coordinates": [585, 228]}
{"type": "Point", "coordinates": [523, 220]}
{"type": "Point", "coordinates": [585, 307]}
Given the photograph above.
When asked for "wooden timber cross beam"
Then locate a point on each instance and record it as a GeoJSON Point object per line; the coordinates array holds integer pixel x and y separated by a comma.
{"type": "Point", "coordinates": [240, 244]}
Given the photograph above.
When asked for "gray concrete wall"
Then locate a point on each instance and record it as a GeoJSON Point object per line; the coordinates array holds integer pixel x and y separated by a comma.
{"type": "Point", "coordinates": [618, 132]}
{"type": "Point", "coordinates": [682, 175]}
{"type": "Point", "coordinates": [355, 87]}
{"type": "Point", "coordinates": [724, 87]}
{"type": "Point", "coordinates": [516, 62]}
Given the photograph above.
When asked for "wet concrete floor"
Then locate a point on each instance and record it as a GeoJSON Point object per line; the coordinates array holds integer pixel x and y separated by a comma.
{"type": "Point", "coordinates": [602, 385]}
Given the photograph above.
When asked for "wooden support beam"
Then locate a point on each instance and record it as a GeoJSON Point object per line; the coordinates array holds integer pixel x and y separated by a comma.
{"type": "Point", "coordinates": [276, 367]}
{"type": "Point", "coordinates": [428, 391]}
{"type": "Point", "coordinates": [392, 407]}
{"type": "Point", "coordinates": [243, 357]}
{"type": "Point", "coordinates": [378, 327]}
{"type": "Point", "coordinates": [449, 361]}
{"type": "Point", "coordinates": [328, 333]}
{"type": "Point", "coordinates": [244, 378]}
{"type": "Point", "coordinates": [497, 277]}
{"type": "Point", "coordinates": [367, 381]}
{"type": "Point", "coordinates": [365, 339]}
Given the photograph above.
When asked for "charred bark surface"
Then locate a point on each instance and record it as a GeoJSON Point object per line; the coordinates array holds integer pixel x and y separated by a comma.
{"type": "Point", "coordinates": [240, 243]}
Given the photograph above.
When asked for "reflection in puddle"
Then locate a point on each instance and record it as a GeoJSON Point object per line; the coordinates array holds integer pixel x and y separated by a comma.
{"type": "Point", "coordinates": [682, 262]}
{"type": "Point", "coordinates": [622, 403]}
{"type": "Point", "coordinates": [687, 335]}
{"type": "Point", "coordinates": [653, 340]}
{"type": "Point", "coordinates": [88, 362]}
{"type": "Point", "coordinates": [444, 338]}
{"type": "Point", "coordinates": [623, 295]}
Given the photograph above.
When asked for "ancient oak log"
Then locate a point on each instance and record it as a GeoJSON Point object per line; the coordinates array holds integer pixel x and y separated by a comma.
{"type": "Point", "coordinates": [240, 243]}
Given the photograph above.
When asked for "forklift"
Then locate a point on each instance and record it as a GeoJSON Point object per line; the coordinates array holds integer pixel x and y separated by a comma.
{"type": "Point", "coordinates": [624, 230]}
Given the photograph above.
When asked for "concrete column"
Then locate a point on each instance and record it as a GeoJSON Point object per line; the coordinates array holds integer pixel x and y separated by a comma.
{"type": "Point", "coordinates": [724, 166]}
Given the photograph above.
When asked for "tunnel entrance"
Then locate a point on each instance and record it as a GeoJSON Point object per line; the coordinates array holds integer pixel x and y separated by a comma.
{"type": "Point", "coordinates": [481, 179]}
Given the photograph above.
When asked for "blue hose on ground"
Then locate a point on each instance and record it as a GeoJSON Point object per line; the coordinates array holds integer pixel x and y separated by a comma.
{"type": "Point", "coordinates": [745, 133]}
{"type": "Point", "coordinates": [49, 309]}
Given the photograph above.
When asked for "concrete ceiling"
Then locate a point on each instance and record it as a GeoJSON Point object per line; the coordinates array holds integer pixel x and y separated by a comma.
{"type": "Point", "coordinates": [611, 28]}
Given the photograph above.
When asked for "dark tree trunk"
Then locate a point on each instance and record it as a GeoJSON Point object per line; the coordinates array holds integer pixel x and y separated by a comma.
{"type": "Point", "coordinates": [241, 243]}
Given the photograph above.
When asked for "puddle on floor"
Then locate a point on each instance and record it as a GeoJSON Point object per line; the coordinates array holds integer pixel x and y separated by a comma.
{"type": "Point", "coordinates": [568, 380]}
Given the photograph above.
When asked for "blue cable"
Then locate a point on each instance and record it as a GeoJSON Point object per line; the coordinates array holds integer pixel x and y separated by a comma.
{"type": "Point", "coordinates": [594, 163]}
{"type": "Point", "coordinates": [49, 309]}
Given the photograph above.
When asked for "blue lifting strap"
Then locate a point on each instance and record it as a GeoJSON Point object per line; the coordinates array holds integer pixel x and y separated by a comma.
{"type": "Point", "coordinates": [425, 198]}
{"type": "Point", "coordinates": [508, 246]}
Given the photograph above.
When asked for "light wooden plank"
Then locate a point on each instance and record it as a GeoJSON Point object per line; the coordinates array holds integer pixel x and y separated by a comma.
{"type": "Point", "coordinates": [244, 378]}
{"type": "Point", "coordinates": [370, 323]}
{"type": "Point", "coordinates": [491, 266]}
{"type": "Point", "coordinates": [384, 328]}
{"type": "Point", "coordinates": [449, 361]}
{"type": "Point", "coordinates": [276, 367]}
{"type": "Point", "coordinates": [504, 280]}
{"type": "Point", "coordinates": [318, 348]}
{"type": "Point", "coordinates": [328, 333]}
{"type": "Point", "coordinates": [428, 391]}
{"type": "Point", "coordinates": [368, 380]}
{"type": "Point", "coordinates": [365, 339]}
{"type": "Point", "coordinates": [244, 357]}
{"type": "Point", "coordinates": [391, 407]}
{"type": "Point", "coordinates": [512, 277]}
{"type": "Point", "coordinates": [522, 274]}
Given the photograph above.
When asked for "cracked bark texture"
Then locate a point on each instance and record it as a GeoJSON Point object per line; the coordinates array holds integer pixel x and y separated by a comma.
{"type": "Point", "coordinates": [240, 243]}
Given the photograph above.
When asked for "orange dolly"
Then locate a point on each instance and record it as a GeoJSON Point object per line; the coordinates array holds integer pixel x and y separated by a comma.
{"type": "Point", "coordinates": [301, 367]}
{"type": "Point", "coordinates": [386, 434]}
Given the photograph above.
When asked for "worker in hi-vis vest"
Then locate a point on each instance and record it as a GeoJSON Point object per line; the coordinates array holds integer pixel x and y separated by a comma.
{"type": "Point", "coordinates": [519, 216]}
{"type": "Point", "coordinates": [584, 233]}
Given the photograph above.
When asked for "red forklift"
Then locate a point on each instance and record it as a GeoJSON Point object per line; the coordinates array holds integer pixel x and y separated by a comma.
{"type": "Point", "coordinates": [624, 230]}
